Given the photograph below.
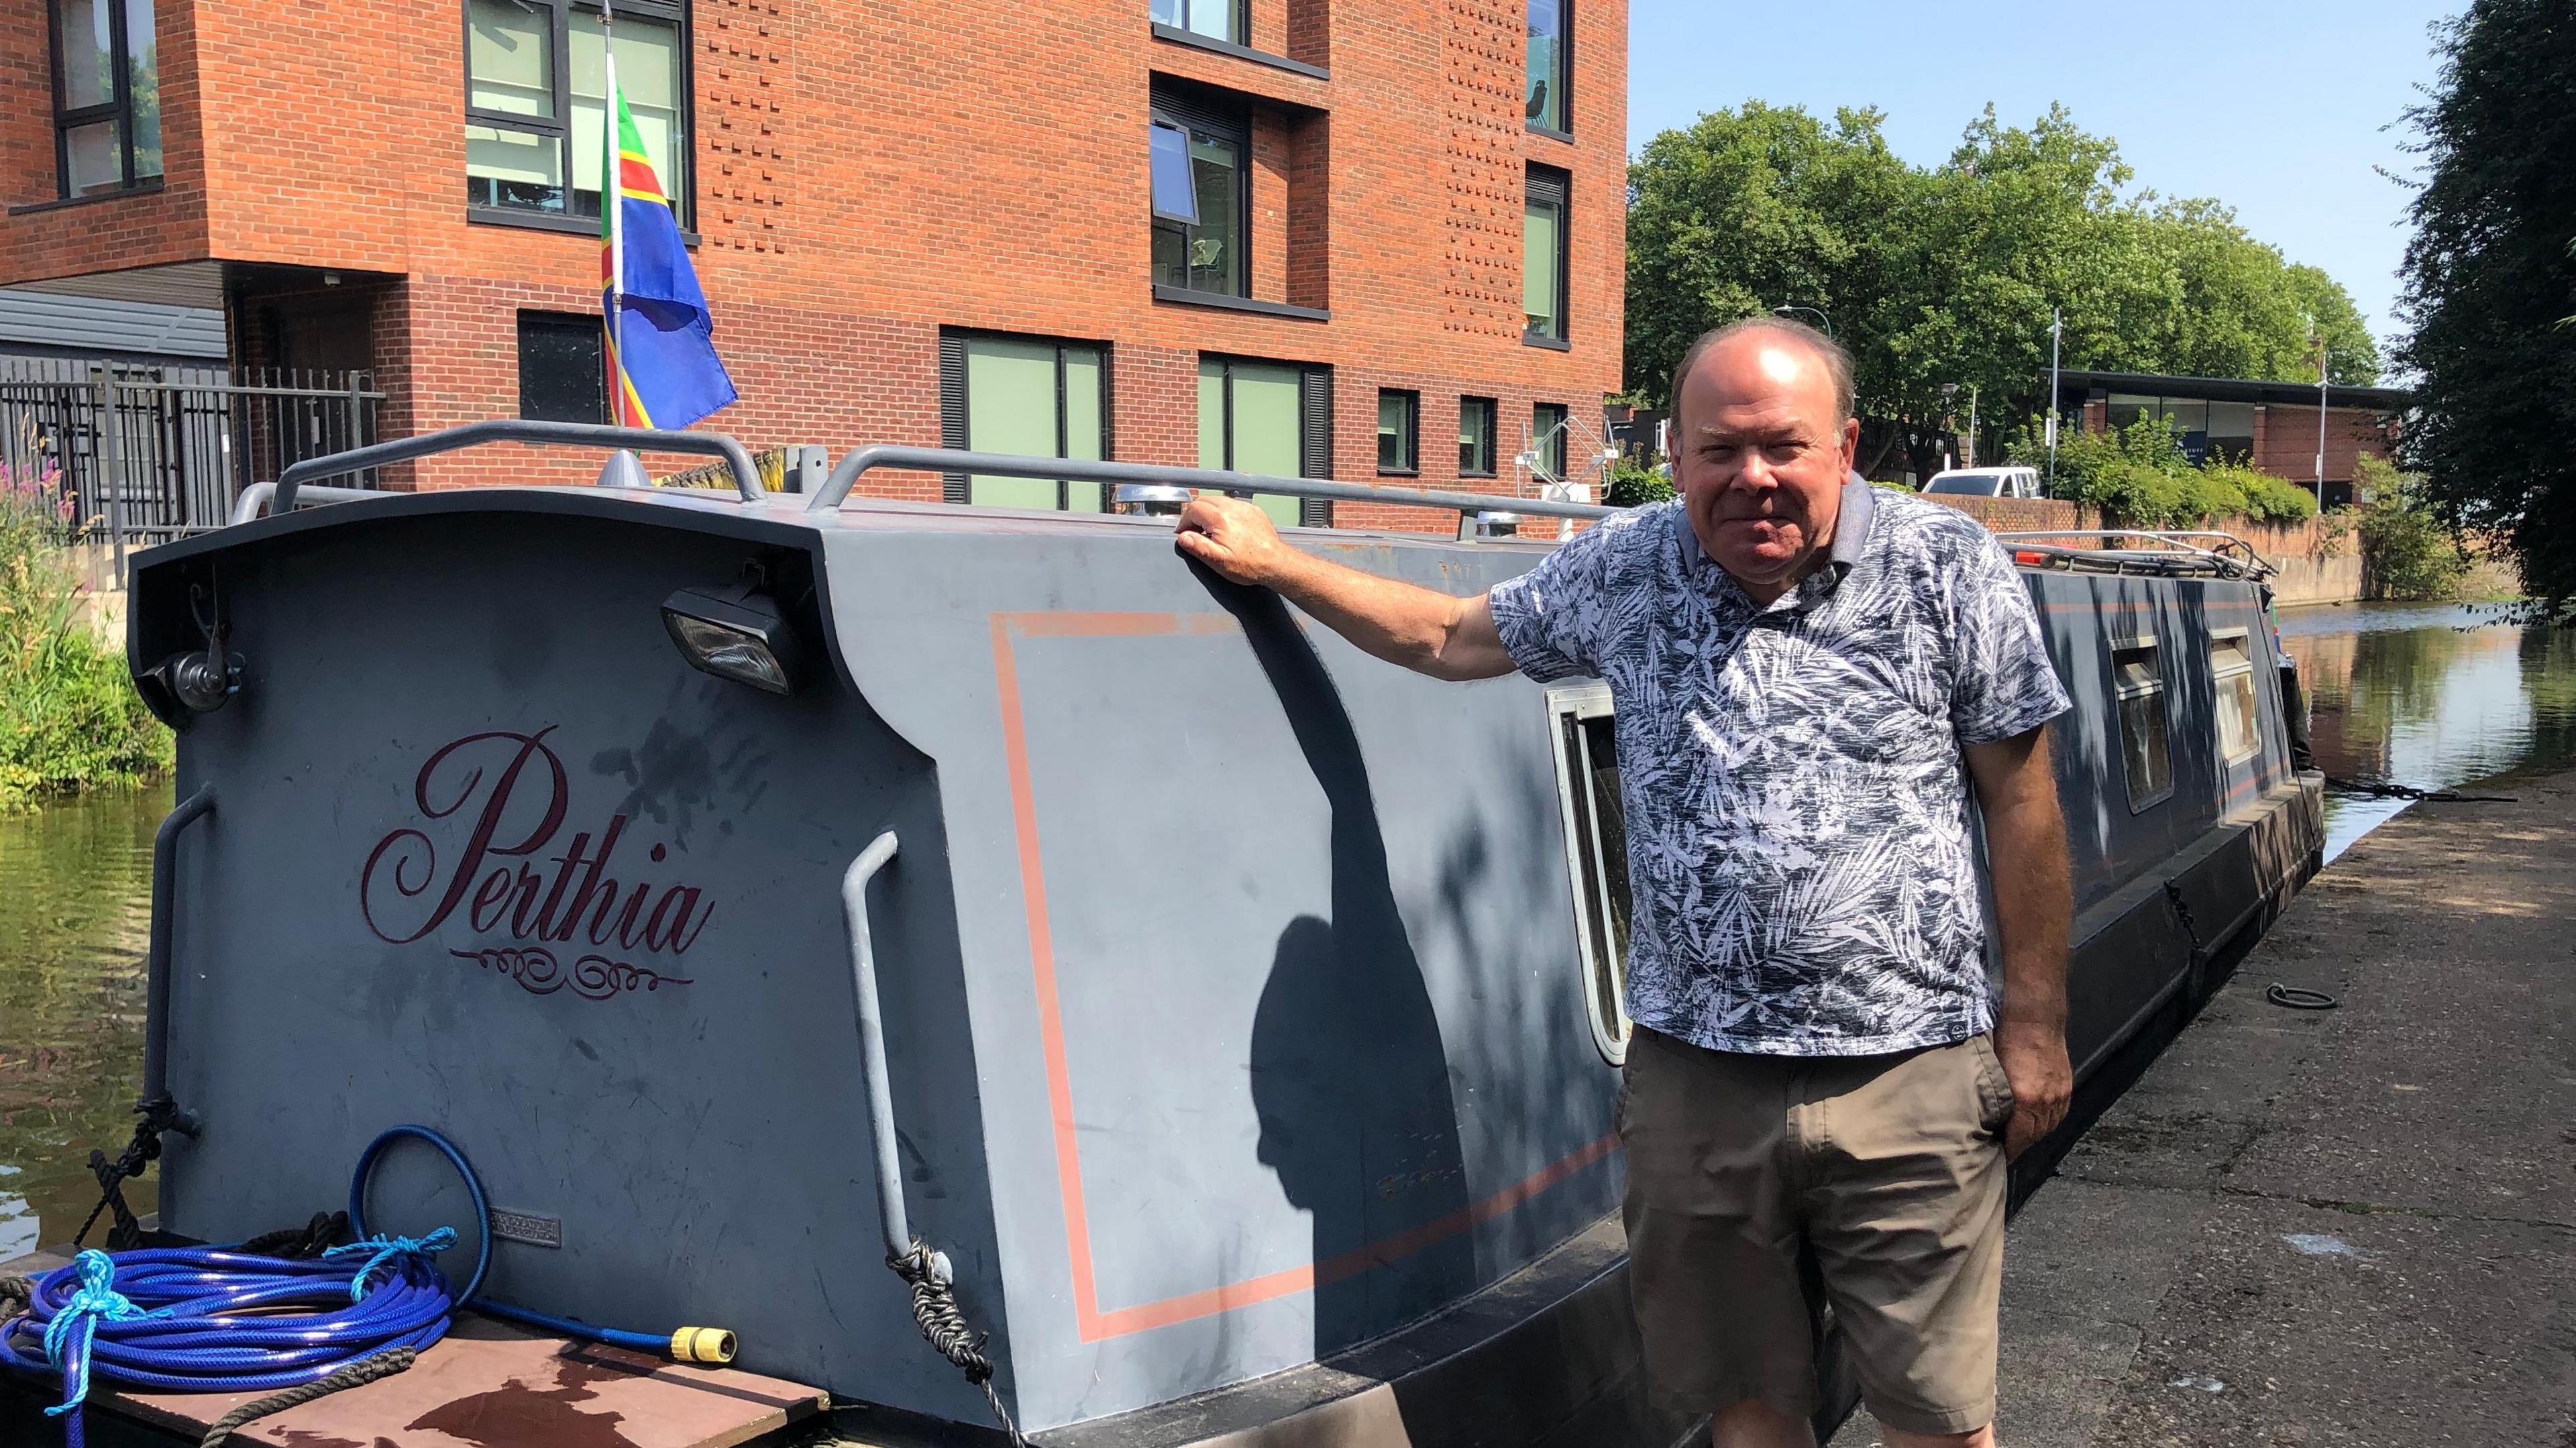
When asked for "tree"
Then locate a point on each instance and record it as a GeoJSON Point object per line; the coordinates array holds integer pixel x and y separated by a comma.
{"type": "Point", "coordinates": [1941, 279]}
{"type": "Point", "coordinates": [2487, 279]}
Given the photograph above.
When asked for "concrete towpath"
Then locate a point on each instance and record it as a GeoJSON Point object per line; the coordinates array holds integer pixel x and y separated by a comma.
{"type": "Point", "coordinates": [2345, 1227]}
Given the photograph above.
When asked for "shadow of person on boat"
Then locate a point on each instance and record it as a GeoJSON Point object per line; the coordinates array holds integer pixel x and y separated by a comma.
{"type": "Point", "coordinates": [1349, 1073]}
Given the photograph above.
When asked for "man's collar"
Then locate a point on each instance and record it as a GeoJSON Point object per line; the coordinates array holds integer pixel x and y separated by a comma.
{"type": "Point", "coordinates": [1851, 537]}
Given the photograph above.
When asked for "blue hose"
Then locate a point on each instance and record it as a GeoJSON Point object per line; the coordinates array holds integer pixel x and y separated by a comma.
{"type": "Point", "coordinates": [219, 1320]}
{"type": "Point", "coordinates": [563, 1326]}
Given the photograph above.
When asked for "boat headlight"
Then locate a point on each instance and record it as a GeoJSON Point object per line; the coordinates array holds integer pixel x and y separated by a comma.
{"type": "Point", "coordinates": [736, 634]}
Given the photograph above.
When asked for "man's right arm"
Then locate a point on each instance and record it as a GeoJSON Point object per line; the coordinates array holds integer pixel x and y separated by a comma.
{"type": "Point", "coordinates": [1431, 633]}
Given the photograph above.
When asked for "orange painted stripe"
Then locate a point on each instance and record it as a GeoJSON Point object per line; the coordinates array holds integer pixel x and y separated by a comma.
{"type": "Point", "coordinates": [1024, 824]}
{"type": "Point", "coordinates": [1092, 1324]}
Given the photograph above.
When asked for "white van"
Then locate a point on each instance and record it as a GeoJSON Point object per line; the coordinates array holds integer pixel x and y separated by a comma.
{"type": "Point", "coordinates": [1986, 482]}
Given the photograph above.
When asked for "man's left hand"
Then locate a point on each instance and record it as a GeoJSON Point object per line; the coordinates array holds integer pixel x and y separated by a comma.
{"type": "Point", "coordinates": [2043, 1080]}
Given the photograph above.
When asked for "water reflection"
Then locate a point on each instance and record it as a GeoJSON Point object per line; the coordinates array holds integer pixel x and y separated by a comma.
{"type": "Point", "coordinates": [2433, 696]}
{"type": "Point", "coordinates": [75, 888]}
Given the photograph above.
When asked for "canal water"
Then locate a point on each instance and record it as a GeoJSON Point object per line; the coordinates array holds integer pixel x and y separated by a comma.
{"type": "Point", "coordinates": [2433, 697]}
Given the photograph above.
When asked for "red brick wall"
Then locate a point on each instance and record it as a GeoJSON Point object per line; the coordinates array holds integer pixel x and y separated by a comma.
{"type": "Point", "coordinates": [2286, 441]}
{"type": "Point", "coordinates": [869, 172]}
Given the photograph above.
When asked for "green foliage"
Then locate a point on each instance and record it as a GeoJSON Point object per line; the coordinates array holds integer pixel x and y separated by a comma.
{"type": "Point", "coordinates": [1633, 485]}
{"type": "Point", "coordinates": [2141, 477]}
{"type": "Point", "coordinates": [2407, 551]}
{"type": "Point", "coordinates": [2487, 279]}
{"type": "Point", "coordinates": [69, 716]}
{"type": "Point", "coordinates": [1946, 276]}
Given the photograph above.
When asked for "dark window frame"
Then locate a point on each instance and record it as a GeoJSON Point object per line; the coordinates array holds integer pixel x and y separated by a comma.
{"type": "Point", "coordinates": [1493, 426]}
{"type": "Point", "coordinates": [1562, 429]}
{"type": "Point", "coordinates": [954, 409]}
{"type": "Point", "coordinates": [1242, 36]}
{"type": "Point", "coordinates": [1192, 115]}
{"type": "Point", "coordinates": [1552, 187]}
{"type": "Point", "coordinates": [561, 322]}
{"type": "Point", "coordinates": [683, 199]}
{"type": "Point", "coordinates": [1314, 426]}
{"type": "Point", "coordinates": [1563, 79]}
{"type": "Point", "coordinates": [118, 108]}
{"type": "Point", "coordinates": [1411, 465]}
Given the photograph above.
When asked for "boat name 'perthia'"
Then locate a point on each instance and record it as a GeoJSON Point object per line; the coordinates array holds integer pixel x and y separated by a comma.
{"type": "Point", "coordinates": [580, 897]}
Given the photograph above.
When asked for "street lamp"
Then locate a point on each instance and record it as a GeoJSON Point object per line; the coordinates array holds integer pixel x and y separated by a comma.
{"type": "Point", "coordinates": [1821, 319]}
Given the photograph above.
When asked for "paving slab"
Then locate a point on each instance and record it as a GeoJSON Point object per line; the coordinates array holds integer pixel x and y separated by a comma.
{"type": "Point", "coordinates": [2348, 1227]}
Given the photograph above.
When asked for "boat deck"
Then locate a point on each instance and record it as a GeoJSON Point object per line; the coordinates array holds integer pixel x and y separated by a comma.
{"type": "Point", "coordinates": [487, 1384]}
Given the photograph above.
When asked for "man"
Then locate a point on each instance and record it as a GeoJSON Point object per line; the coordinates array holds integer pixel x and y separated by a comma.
{"type": "Point", "coordinates": [1807, 676]}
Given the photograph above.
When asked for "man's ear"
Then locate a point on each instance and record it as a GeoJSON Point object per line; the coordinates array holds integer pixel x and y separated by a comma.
{"type": "Point", "coordinates": [1851, 443]}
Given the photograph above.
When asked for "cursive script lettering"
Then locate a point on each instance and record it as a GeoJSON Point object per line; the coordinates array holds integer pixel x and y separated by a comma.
{"type": "Point", "coordinates": [492, 884]}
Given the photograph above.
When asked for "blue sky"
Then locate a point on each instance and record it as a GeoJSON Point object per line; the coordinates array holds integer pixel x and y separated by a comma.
{"type": "Point", "coordinates": [2280, 108]}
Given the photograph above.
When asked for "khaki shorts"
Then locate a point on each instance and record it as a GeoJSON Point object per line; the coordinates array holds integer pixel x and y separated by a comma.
{"type": "Point", "coordinates": [1761, 1188]}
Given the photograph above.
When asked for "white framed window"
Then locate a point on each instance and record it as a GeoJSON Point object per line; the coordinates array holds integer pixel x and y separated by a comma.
{"type": "Point", "coordinates": [2138, 682]}
{"type": "Point", "coordinates": [1596, 855]}
{"type": "Point", "coordinates": [2231, 673]}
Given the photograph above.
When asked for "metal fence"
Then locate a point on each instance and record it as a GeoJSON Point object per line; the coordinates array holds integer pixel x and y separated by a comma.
{"type": "Point", "coordinates": [154, 453]}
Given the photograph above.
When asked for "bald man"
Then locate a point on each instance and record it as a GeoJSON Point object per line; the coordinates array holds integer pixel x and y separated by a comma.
{"type": "Point", "coordinates": [1810, 678]}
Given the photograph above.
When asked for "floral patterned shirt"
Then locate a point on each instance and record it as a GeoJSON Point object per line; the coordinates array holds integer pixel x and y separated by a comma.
{"type": "Point", "coordinates": [1801, 868]}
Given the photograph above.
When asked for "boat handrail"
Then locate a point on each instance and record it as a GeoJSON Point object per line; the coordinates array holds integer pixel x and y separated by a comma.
{"type": "Point", "coordinates": [836, 488]}
{"type": "Point", "coordinates": [2175, 547]}
{"type": "Point", "coordinates": [746, 476]}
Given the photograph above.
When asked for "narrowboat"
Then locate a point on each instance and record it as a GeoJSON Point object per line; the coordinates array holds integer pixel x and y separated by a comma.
{"type": "Point", "coordinates": [759, 885]}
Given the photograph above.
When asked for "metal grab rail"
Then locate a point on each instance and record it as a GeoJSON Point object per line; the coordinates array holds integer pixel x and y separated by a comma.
{"type": "Point", "coordinates": [156, 1007]}
{"type": "Point", "coordinates": [746, 476]}
{"type": "Point", "coordinates": [261, 496]}
{"type": "Point", "coordinates": [836, 488]}
{"type": "Point", "coordinates": [872, 1052]}
{"type": "Point", "coordinates": [2173, 541]}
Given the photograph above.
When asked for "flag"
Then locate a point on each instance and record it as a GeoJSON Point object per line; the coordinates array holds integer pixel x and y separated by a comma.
{"type": "Point", "coordinates": [662, 365]}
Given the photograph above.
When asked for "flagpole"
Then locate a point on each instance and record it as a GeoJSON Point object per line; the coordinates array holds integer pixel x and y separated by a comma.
{"type": "Point", "coordinates": [612, 200]}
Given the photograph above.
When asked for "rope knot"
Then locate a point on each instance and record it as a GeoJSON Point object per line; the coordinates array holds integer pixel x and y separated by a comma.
{"type": "Point", "coordinates": [385, 1249]}
{"type": "Point", "coordinates": [67, 1336]}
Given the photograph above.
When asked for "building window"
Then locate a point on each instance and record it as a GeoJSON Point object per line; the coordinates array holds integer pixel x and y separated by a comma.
{"type": "Point", "coordinates": [562, 368]}
{"type": "Point", "coordinates": [1547, 440]}
{"type": "Point", "coordinates": [1399, 431]}
{"type": "Point", "coordinates": [1031, 396]}
{"type": "Point", "coordinates": [107, 96]}
{"type": "Point", "coordinates": [2231, 672]}
{"type": "Point", "coordinates": [2231, 432]}
{"type": "Point", "coordinates": [1543, 255]}
{"type": "Point", "coordinates": [1202, 197]}
{"type": "Point", "coordinates": [2137, 679]}
{"type": "Point", "coordinates": [1475, 437]}
{"type": "Point", "coordinates": [536, 102]}
{"type": "Point", "coordinates": [1270, 418]}
{"type": "Point", "coordinates": [1596, 856]}
{"type": "Point", "coordinates": [1216, 19]}
{"type": "Point", "coordinates": [1549, 65]}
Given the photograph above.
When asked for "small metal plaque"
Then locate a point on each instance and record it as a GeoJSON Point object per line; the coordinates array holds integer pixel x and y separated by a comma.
{"type": "Point", "coordinates": [533, 1228]}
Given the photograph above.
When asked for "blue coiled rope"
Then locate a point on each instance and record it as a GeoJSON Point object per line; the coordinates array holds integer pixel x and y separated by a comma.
{"type": "Point", "coordinates": [219, 1320]}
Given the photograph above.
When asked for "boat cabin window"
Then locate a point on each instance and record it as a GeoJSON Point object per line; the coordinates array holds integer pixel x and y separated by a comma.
{"type": "Point", "coordinates": [2231, 670]}
{"type": "Point", "coordinates": [1596, 851]}
{"type": "Point", "coordinates": [2137, 677]}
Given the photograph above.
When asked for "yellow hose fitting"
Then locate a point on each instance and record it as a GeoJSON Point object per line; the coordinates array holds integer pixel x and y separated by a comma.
{"type": "Point", "coordinates": [702, 1345]}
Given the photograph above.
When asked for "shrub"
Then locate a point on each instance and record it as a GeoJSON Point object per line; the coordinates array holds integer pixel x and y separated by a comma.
{"type": "Point", "coordinates": [2140, 477]}
{"type": "Point", "coordinates": [69, 716]}
{"type": "Point", "coordinates": [2407, 552]}
{"type": "Point", "coordinates": [1633, 485]}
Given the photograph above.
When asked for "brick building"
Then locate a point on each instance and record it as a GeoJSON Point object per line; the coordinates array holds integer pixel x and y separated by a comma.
{"type": "Point", "coordinates": [1288, 235]}
{"type": "Point", "coordinates": [2271, 426]}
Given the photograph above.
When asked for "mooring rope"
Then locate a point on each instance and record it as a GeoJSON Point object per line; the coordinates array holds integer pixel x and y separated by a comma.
{"type": "Point", "coordinates": [934, 1309]}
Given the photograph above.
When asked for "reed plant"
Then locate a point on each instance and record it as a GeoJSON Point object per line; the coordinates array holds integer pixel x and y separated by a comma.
{"type": "Point", "coordinates": [70, 718]}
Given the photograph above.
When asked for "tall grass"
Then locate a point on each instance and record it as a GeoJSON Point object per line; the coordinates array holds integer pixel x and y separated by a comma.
{"type": "Point", "coordinates": [69, 716]}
